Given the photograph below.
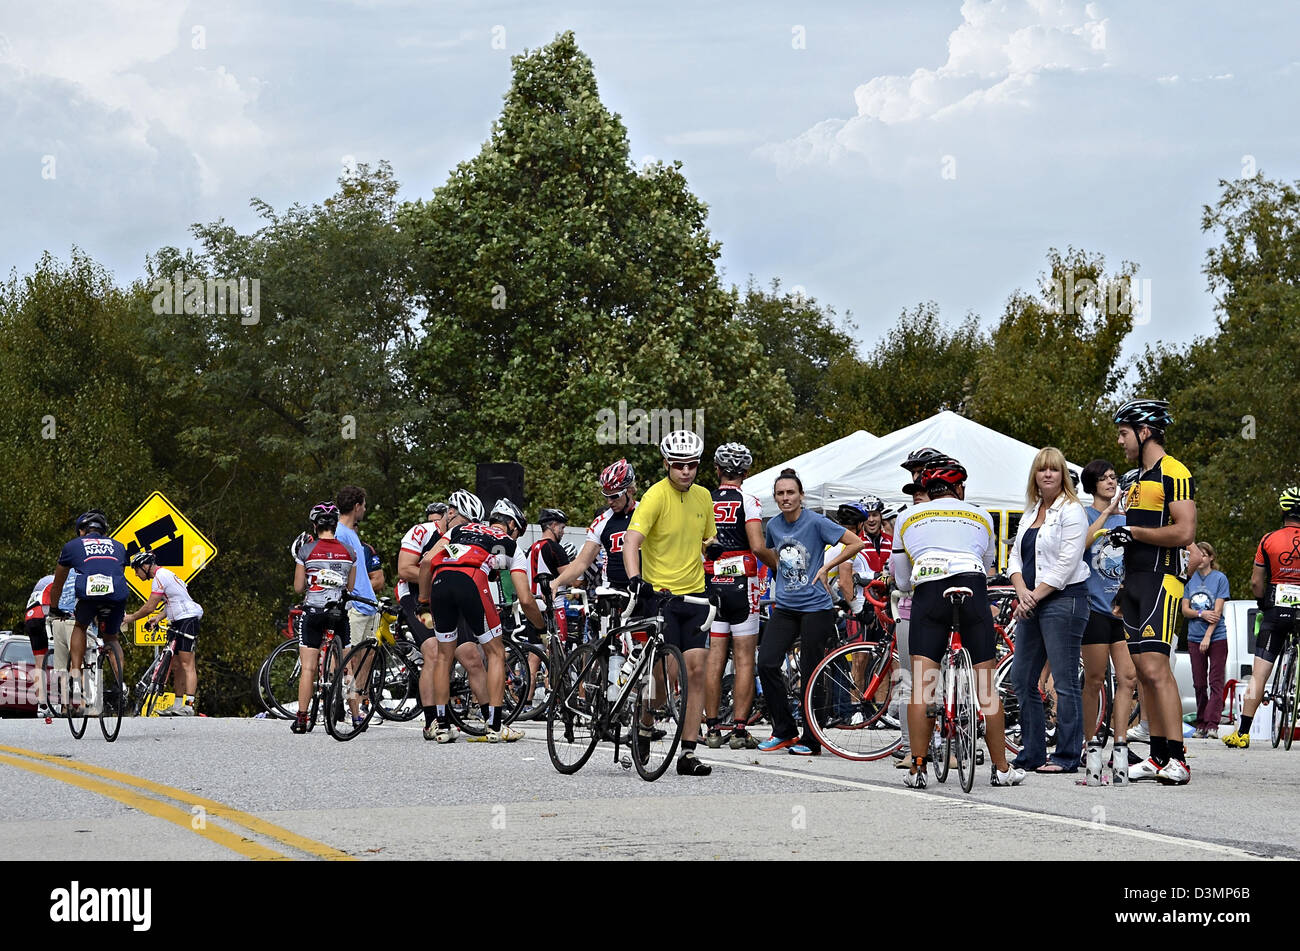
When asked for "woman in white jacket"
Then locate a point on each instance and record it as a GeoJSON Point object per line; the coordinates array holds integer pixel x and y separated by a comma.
{"type": "Point", "coordinates": [1050, 576]}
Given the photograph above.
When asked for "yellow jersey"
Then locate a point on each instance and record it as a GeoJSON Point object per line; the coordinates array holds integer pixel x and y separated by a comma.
{"type": "Point", "coordinates": [675, 525]}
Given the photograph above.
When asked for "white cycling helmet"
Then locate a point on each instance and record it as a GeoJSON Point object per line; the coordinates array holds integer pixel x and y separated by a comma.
{"type": "Point", "coordinates": [305, 538]}
{"type": "Point", "coordinates": [682, 445]}
{"type": "Point", "coordinates": [467, 504]}
{"type": "Point", "coordinates": [733, 458]}
{"type": "Point", "coordinates": [507, 509]}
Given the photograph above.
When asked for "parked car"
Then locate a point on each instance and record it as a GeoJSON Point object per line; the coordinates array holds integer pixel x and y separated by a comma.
{"type": "Point", "coordinates": [1239, 620]}
{"type": "Point", "coordinates": [17, 677]}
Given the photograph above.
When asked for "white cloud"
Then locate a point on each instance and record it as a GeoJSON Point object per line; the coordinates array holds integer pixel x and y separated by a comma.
{"type": "Point", "coordinates": [1167, 80]}
{"type": "Point", "coordinates": [711, 137]}
{"type": "Point", "coordinates": [994, 59]}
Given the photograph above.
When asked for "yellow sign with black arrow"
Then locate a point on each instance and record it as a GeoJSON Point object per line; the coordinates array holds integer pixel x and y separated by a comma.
{"type": "Point", "coordinates": [158, 526]}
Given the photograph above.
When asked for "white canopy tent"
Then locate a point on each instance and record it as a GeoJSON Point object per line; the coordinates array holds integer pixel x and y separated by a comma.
{"type": "Point", "coordinates": [819, 469]}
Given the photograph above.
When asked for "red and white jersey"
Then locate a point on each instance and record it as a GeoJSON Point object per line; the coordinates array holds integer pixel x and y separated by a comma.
{"type": "Point", "coordinates": [545, 557]}
{"type": "Point", "coordinates": [477, 548]}
{"type": "Point", "coordinates": [877, 551]}
{"type": "Point", "coordinates": [732, 511]}
{"type": "Point", "coordinates": [175, 596]}
{"type": "Point", "coordinates": [607, 531]}
{"type": "Point", "coordinates": [417, 541]}
{"type": "Point", "coordinates": [324, 555]}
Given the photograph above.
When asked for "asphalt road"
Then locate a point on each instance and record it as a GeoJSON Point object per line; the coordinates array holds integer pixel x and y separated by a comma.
{"type": "Point", "coordinates": [226, 789]}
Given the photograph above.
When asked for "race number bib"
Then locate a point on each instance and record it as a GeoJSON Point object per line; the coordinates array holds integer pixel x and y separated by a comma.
{"type": "Point", "coordinates": [454, 551]}
{"type": "Point", "coordinates": [1287, 596]}
{"type": "Point", "coordinates": [99, 586]}
{"type": "Point", "coordinates": [733, 567]}
{"type": "Point", "coordinates": [930, 566]}
{"type": "Point", "coordinates": [326, 578]}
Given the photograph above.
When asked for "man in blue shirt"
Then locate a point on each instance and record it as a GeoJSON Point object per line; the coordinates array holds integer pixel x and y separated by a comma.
{"type": "Point", "coordinates": [362, 618]}
{"type": "Point", "coordinates": [100, 586]}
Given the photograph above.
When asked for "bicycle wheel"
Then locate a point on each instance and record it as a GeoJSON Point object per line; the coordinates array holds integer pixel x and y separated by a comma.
{"type": "Point", "coordinates": [1289, 694]}
{"type": "Point", "coordinates": [1278, 697]}
{"type": "Point", "coordinates": [1010, 705]}
{"type": "Point", "coordinates": [662, 704]}
{"type": "Point", "coordinates": [965, 719]}
{"type": "Point", "coordinates": [463, 706]}
{"type": "Point", "coordinates": [518, 681]}
{"type": "Point", "coordinates": [576, 707]}
{"type": "Point", "coordinates": [156, 685]}
{"type": "Point", "coordinates": [941, 744]}
{"type": "Point", "coordinates": [76, 713]}
{"type": "Point", "coordinates": [397, 695]}
{"type": "Point", "coordinates": [330, 661]}
{"type": "Point", "coordinates": [871, 733]}
{"type": "Point", "coordinates": [534, 693]}
{"type": "Point", "coordinates": [283, 670]}
{"type": "Point", "coordinates": [353, 684]}
{"type": "Point", "coordinates": [113, 694]}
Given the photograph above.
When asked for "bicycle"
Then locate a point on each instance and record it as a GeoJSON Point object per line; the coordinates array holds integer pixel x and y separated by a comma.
{"type": "Point", "coordinates": [370, 682]}
{"type": "Point", "coordinates": [1283, 695]}
{"type": "Point", "coordinates": [860, 671]}
{"type": "Point", "coordinates": [153, 681]}
{"type": "Point", "coordinates": [957, 723]}
{"type": "Point", "coordinates": [648, 700]}
{"type": "Point", "coordinates": [102, 696]}
{"type": "Point", "coordinates": [278, 675]}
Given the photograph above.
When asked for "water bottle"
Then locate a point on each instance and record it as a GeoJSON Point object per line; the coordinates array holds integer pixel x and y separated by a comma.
{"type": "Point", "coordinates": [616, 677]}
{"type": "Point", "coordinates": [1119, 765]}
{"type": "Point", "coordinates": [1092, 763]}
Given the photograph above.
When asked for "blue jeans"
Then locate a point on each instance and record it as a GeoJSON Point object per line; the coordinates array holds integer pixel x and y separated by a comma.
{"type": "Point", "coordinates": [1054, 632]}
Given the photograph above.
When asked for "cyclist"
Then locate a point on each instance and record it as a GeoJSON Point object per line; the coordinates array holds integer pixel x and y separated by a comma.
{"type": "Point", "coordinates": [662, 556]}
{"type": "Point", "coordinates": [942, 543]}
{"type": "Point", "coordinates": [547, 555]}
{"type": "Point", "coordinates": [101, 587]}
{"type": "Point", "coordinates": [731, 568]}
{"type": "Point", "coordinates": [183, 615]}
{"type": "Point", "coordinates": [34, 624]}
{"type": "Point", "coordinates": [325, 569]}
{"type": "Point", "coordinates": [606, 534]}
{"type": "Point", "coordinates": [362, 618]}
{"type": "Point", "coordinates": [1160, 522]}
{"type": "Point", "coordinates": [1275, 580]}
{"type": "Point", "coordinates": [454, 582]}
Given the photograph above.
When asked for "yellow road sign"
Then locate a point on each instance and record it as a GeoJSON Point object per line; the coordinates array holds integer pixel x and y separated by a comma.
{"type": "Point", "coordinates": [159, 527]}
{"type": "Point", "coordinates": [155, 638]}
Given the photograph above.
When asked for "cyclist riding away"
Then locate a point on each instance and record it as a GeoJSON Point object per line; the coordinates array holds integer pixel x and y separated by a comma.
{"type": "Point", "coordinates": [943, 543]}
{"type": "Point", "coordinates": [1275, 580]}
{"type": "Point", "coordinates": [662, 555]}
{"type": "Point", "coordinates": [325, 570]}
{"type": "Point", "coordinates": [1160, 522]}
{"type": "Point", "coordinates": [731, 568]}
{"type": "Point", "coordinates": [183, 615]}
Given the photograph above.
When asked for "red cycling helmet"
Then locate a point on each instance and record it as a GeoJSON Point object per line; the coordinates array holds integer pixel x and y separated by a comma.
{"type": "Point", "coordinates": [617, 477]}
{"type": "Point", "coordinates": [950, 474]}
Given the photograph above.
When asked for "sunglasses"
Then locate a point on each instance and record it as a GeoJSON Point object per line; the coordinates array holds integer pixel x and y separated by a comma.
{"type": "Point", "coordinates": [685, 466]}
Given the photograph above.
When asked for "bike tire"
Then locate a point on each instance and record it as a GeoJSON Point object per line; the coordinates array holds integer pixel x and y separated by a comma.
{"type": "Point", "coordinates": [965, 720]}
{"type": "Point", "coordinates": [874, 738]}
{"type": "Point", "coordinates": [940, 762]}
{"type": "Point", "coordinates": [261, 687]}
{"type": "Point", "coordinates": [1277, 702]}
{"type": "Point", "coordinates": [653, 757]}
{"type": "Point", "coordinates": [113, 695]}
{"type": "Point", "coordinates": [283, 670]}
{"type": "Point", "coordinates": [1289, 686]}
{"type": "Point", "coordinates": [533, 707]}
{"type": "Point", "coordinates": [76, 721]}
{"type": "Point", "coordinates": [1010, 705]}
{"type": "Point", "coordinates": [462, 704]}
{"type": "Point", "coordinates": [156, 686]}
{"type": "Point", "coordinates": [324, 699]}
{"type": "Point", "coordinates": [573, 717]}
{"type": "Point", "coordinates": [338, 715]}
{"type": "Point", "coordinates": [518, 677]}
{"type": "Point", "coordinates": [399, 699]}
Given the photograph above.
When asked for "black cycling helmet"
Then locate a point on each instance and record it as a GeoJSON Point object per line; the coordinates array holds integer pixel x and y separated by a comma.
{"type": "Point", "coordinates": [1152, 413]}
{"type": "Point", "coordinates": [547, 516]}
{"type": "Point", "coordinates": [851, 513]}
{"type": "Point", "coordinates": [925, 458]}
{"type": "Point", "coordinates": [92, 521]}
{"type": "Point", "coordinates": [143, 559]}
{"type": "Point", "coordinates": [324, 516]}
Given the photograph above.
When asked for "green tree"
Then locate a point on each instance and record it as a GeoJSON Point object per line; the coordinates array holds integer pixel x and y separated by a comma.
{"type": "Point", "coordinates": [1051, 366]}
{"type": "Point", "coordinates": [560, 281]}
{"type": "Point", "coordinates": [1234, 425]}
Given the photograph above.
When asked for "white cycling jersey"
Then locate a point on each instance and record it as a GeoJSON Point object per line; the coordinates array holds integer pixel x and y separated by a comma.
{"type": "Point", "coordinates": [421, 537]}
{"type": "Point", "coordinates": [940, 539]}
{"type": "Point", "coordinates": [175, 596]}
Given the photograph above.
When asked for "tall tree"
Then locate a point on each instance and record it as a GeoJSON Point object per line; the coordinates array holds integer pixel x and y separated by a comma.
{"type": "Point", "coordinates": [563, 285]}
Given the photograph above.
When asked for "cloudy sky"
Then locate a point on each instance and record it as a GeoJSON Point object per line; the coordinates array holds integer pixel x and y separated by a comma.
{"type": "Point", "coordinates": [875, 154]}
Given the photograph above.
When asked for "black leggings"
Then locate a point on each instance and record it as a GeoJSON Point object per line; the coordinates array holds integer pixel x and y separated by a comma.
{"type": "Point", "coordinates": [813, 629]}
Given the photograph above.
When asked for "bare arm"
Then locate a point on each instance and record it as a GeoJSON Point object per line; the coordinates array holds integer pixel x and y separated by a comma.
{"type": "Point", "coordinates": [1180, 533]}
{"type": "Point", "coordinates": [1258, 580]}
{"type": "Point", "coordinates": [299, 577]}
{"type": "Point", "coordinates": [632, 553]}
{"type": "Point", "coordinates": [754, 532]}
{"type": "Point", "coordinates": [526, 600]}
{"type": "Point", "coordinates": [146, 609]}
{"type": "Point", "coordinates": [575, 569]}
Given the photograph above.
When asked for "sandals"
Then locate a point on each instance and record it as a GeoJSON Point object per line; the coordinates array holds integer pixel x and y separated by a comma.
{"type": "Point", "coordinates": [1054, 768]}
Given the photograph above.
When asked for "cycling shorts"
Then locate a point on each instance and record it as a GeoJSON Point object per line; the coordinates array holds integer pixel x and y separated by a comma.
{"type": "Point", "coordinates": [109, 614]}
{"type": "Point", "coordinates": [186, 630]}
{"type": "Point", "coordinates": [683, 622]}
{"type": "Point", "coordinates": [931, 620]}
{"type": "Point", "coordinates": [457, 596]}
{"type": "Point", "coordinates": [1150, 601]}
{"type": "Point", "coordinates": [737, 608]}
{"type": "Point", "coordinates": [35, 630]}
{"type": "Point", "coordinates": [410, 608]}
{"type": "Point", "coordinates": [1275, 626]}
{"type": "Point", "coordinates": [316, 622]}
{"type": "Point", "coordinates": [1103, 629]}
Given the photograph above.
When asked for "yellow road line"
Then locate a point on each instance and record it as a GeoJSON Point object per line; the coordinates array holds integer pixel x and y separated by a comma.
{"type": "Point", "coordinates": [212, 807]}
{"type": "Point", "coordinates": [245, 847]}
